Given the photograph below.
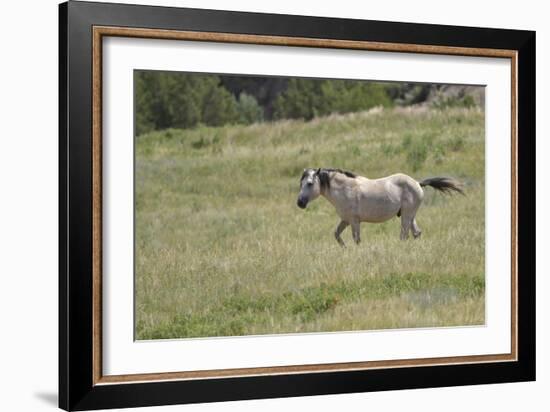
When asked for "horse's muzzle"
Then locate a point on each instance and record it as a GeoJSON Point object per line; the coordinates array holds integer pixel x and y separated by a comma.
{"type": "Point", "coordinates": [302, 203]}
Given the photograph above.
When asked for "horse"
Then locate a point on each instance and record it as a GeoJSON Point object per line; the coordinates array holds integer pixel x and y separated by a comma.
{"type": "Point", "coordinates": [359, 199]}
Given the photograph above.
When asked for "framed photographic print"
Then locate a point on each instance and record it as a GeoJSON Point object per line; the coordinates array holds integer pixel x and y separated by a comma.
{"type": "Point", "coordinates": [257, 205]}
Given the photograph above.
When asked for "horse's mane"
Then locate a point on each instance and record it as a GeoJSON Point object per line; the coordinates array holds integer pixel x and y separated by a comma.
{"type": "Point", "coordinates": [324, 177]}
{"type": "Point", "coordinates": [347, 173]}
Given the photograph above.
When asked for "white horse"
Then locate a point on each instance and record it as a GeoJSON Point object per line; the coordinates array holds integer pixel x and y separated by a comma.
{"type": "Point", "coordinates": [358, 199]}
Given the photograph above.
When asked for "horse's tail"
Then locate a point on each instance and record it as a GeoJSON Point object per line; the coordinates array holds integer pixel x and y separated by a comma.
{"type": "Point", "coordinates": [444, 184]}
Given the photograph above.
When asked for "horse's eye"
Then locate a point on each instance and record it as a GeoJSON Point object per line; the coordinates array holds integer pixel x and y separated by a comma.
{"type": "Point", "coordinates": [310, 183]}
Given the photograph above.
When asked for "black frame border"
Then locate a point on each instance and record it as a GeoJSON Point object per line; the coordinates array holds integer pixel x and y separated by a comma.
{"type": "Point", "coordinates": [76, 388]}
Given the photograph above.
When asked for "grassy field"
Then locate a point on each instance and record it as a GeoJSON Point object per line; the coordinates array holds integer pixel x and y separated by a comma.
{"type": "Point", "coordinates": [222, 249]}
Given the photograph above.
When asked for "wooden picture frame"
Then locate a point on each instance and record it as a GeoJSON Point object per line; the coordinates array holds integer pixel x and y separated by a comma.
{"type": "Point", "coordinates": [83, 26]}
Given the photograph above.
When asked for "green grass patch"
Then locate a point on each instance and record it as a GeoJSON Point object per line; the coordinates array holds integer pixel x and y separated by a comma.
{"type": "Point", "coordinates": [240, 313]}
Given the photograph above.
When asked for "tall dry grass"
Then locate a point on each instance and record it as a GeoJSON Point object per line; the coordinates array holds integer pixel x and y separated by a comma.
{"type": "Point", "coordinates": [222, 249]}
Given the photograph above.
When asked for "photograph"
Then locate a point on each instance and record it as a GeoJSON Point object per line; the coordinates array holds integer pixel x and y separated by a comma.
{"type": "Point", "coordinates": [268, 205]}
{"type": "Point", "coordinates": [265, 205]}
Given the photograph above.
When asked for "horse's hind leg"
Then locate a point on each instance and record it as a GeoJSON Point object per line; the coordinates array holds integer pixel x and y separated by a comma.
{"type": "Point", "coordinates": [406, 222]}
{"type": "Point", "coordinates": [416, 229]}
{"type": "Point", "coordinates": [339, 231]}
{"type": "Point", "coordinates": [408, 214]}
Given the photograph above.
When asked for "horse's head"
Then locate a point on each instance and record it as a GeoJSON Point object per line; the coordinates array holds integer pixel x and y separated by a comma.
{"type": "Point", "coordinates": [310, 187]}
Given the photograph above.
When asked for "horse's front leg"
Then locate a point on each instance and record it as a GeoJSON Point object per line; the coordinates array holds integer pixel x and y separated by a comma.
{"type": "Point", "coordinates": [339, 231]}
{"type": "Point", "coordinates": [356, 231]}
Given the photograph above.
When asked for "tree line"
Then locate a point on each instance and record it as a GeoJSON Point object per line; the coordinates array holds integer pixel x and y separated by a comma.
{"type": "Point", "coordinates": [181, 100]}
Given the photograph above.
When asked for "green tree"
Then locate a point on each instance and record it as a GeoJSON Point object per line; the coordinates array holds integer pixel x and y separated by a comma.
{"type": "Point", "coordinates": [309, 98]}
{"type": "Point", "coordinates": [146, 102]}
{"type": "Point", "coordinates": [219, 107]}
{"type": "Point", "coordinates": [298, 101]}
{"type": "Point", "coordinates": [179, 100]}
{"type": "Point", "coordinates": [249, 111]}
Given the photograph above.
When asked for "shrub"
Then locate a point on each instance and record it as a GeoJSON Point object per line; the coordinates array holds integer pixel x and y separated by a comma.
{"type": "Point", "coordinates": [389, 149]}
{"type": "Point", "coordinates": [248, 109]}
{"type": "Point", "coordinates": [465, 101]}
{"type": "Point", "coordinates": [438, 154]}
{"type": "Point", "coordinates": [417, 155]}
{"type": "Point", "coordinates": [417, 150]}
{"type": "Point", "coordinates": [457, 143]}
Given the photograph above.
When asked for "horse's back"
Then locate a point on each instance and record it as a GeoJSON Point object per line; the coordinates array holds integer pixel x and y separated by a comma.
{"type": "Point", "coordinates": [399, 179]}
{"type": "Point", "coordinates": [403, 181]}
{"type": "Point", "coordinates": [403, 186]}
